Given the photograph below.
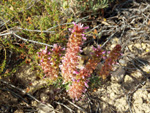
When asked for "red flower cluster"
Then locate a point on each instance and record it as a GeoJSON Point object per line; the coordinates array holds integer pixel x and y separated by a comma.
{"type": "Point", "coordinates": [49, 61]}
{"type": "Point", "coordinates": [78, 77]}
{"type": "Point", "coordinates": [71, 59]}
{"type": "Point", "coordinates": [113, 56]}
{"type": "Point", "coordinates": [80, 84]}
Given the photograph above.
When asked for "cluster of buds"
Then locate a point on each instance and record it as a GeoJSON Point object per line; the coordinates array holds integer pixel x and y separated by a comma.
{"type": "Point", "coordinates": [49, 61]}
{"type": "Point", "coordinates": [110, 60]}
{"type": "Point", "coordinates": [80, 84]}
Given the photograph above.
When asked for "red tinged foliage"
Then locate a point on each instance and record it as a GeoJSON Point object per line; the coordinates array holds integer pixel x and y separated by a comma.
{"type": "Point", "coordinates": [113, 56]}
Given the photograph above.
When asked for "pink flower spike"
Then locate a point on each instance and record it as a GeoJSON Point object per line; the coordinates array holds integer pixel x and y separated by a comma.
{"type": "Point", "coordinates": [91, 53]}
{"type": "Point", "coordinates": [44, 51]}
{"type": "Point", "coordinates": [103, 52]}
{"type": "Point", "coordinates": [63, 82]}
{"type": "Point", "coordinates": [77, 72]}
{"type": "Point", "coordinates": [99, 47]}
{"type": "Point", "coordinates": [81, 50]}
{"type": "Point", "coordinates": [60, 66]}
{"type": "Point", "coordinates": [86, 84]}
{"type": "Point", "coordinates": [44, 76]}
{"type": "Point", "coordinates": [49, 53]}
{"type": "Point", "coordinates": [63, 48]}
{"type": "Point", "coordinates": [117, 63]}
{"type": "Point", "coordinates": [83, 77]}
{"type": "Point", "coordinates": [73, 31]}
{"type": "Point", "coordinates": [94, 49]}
{"type": "Point", "coordinates": [74, 23]}
{"type": "Point", "coordinates": [85, 90]}
{"type": "Point", "coordinates": [55, 46]}
{"type": "Point", "coordinates": [74, 72]}
{"type": "Point", "coordinates": [89, 75]}
{"type": "Point", "coordinates": [86, 27]}
{"type": "Point", "coordinates": [108, 52]}
{"type": "Point", "coordinates": [84, 38]}
{"type": "Point", "coordinates": [46, 48]}
{"type": "Point", "coordinates": [70, 29]}
{"type": "Point", "coordinates": [104, 57]}
{"type": "Point", "coordinates": [73, 80]}
{"type": "Point", "coordinates": [41, 60]}
{"type": "Point", "coordinates": [51, 63]}
{"type": "Point", "coordinates": [83, 34]}
{"type": "Point", "coordinates": [56, 75]}
{"type": "Point", "coordinates": [76, 99]}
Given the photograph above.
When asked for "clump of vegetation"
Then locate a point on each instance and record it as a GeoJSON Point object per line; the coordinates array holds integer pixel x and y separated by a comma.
{"type": "Point", "coordinates": [28, 26]}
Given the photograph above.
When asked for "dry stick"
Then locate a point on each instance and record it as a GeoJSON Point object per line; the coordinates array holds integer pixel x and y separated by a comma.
{"type": "Point", "coordinates": [129, 103]}
{"type": "Point", "coordinates": [4, 23]}
{"type": "Point", "coordinates": [68, 23]}
{"type": "Point", "coordinates": [44, 31]}
{"type": "Point", "coordinates": [75, 105]}
{"type": "Point", "coordinates": [136, 88]}
{"type": "Point", "coordinates": [90, 103]}
{"type": "Point", "coordinates": [108, 39]}
{"type": "Point", "coordinates": [26, 40]}
{"type": "Point", "coordinates": [4, 34]}
{"type": "Point", "coordinates": [25, 93]}
{"type": "Point", "coordinates": [124, 26]}
{"type": "Point", "coordinates": [140, 69]}
{"type": "Point", "coordinates": [98, 110]}
{"type": "Point", "coordinates": [59, 25]}
{"type": "Point", "coordinates": [131, 93]}
{"type": "Point", "coordinates": [15, 94]}
{"type": "Point", "coordinates": [64, 106]}
{"type": "Point", "coordinates": [103, 101]}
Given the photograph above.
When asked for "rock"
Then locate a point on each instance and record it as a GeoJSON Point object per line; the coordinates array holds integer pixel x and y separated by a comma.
{"type": "Point", "coordinates": [19, 111]}
{"type": "Point", "coordinates": [44, 97]}
{"type": "Point", "coordinates": [138, 45]}
{"type": "Point", "coordinates": [149, 96]}
{"type": "Point", "coordinates": [128, 79]}
{"type": "Point", "coordinates": [115, 41]}
{"type": "Point", "coordinates": [122, 62]}
{"type": "Point", "coordinates": [130, 47]}
{"type": "Point", "coordinates": [118, 75]}
{"type": "Point", "coordinates": [121, 104]}
{"type": "Point", "coordinates": [137, 74]}
{"type": "Point", "coordinates": [138, 101]}
{"type": "Point", "coordinates": [146, 68]}
{"type": "Point", "coordinates": [45, 108]}
{"type": "Point", "coordinates": [143, 46]}
{"type": "Point", "coordinates": [133, 33]}
{"type": "Point", "coordinates": [34, 103]}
